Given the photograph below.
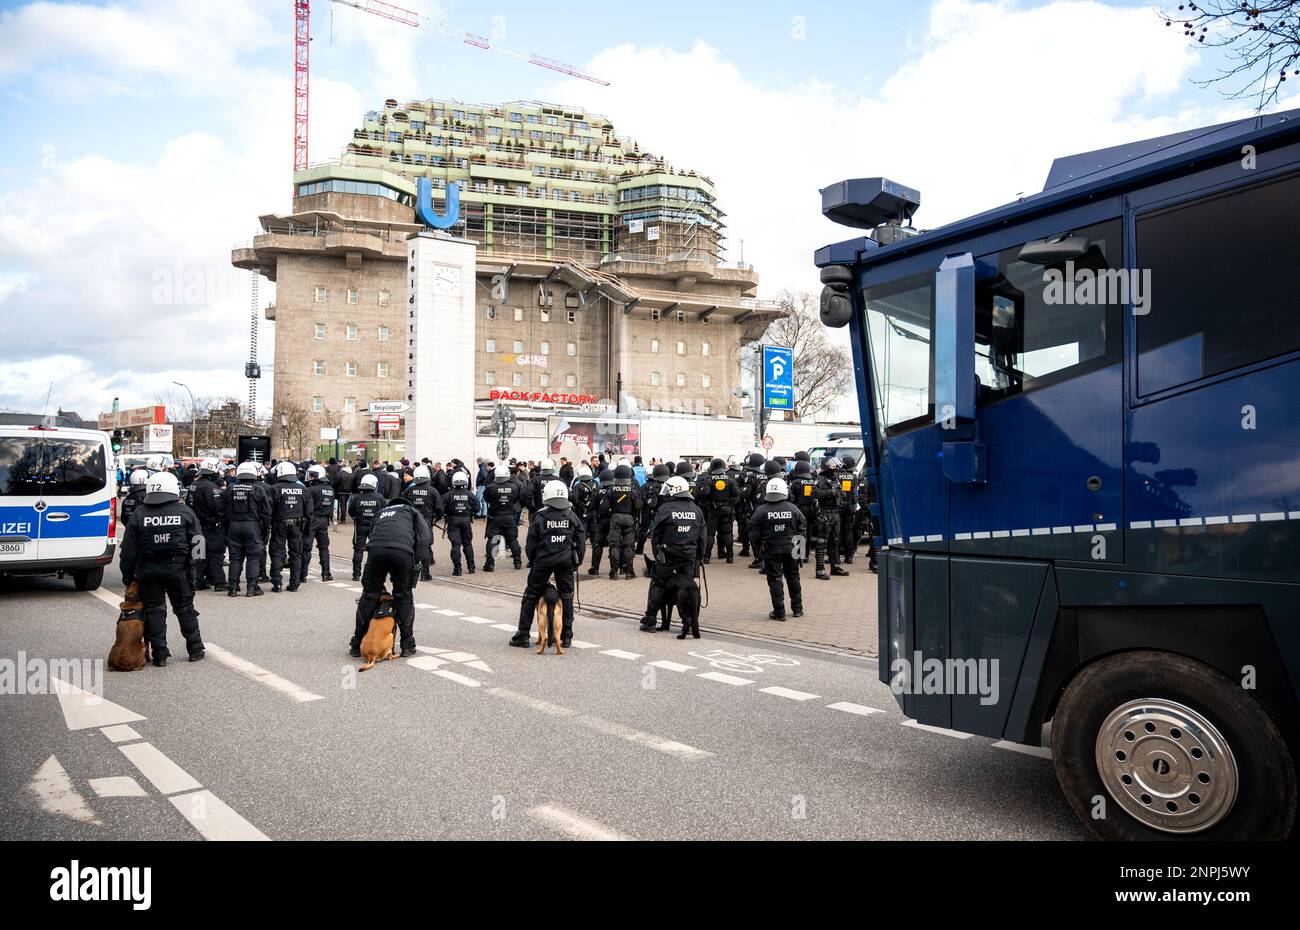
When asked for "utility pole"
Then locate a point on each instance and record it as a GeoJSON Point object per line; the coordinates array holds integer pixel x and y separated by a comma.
{"type": "Point", "coordinates": [194, 422]}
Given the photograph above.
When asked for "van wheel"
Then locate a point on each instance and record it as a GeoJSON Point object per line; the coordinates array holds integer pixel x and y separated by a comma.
{"type": "Point", "coordinates": [1150, 745]}
{"type": "Point", "coordinates": [88, 579]}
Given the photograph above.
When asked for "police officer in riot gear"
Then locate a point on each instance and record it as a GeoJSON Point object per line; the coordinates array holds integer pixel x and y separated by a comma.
{"type": "Point", "coordinates": [248, 510]}
{"type": "Point", "coordinates": [264, 488]}
{"type": "Point", "coordinates": [318, 507]}
{"type": "Point", "coordinates": [777, 523]}
{"type": "Point", "coordinates": [581, 492]}
{"type": "Point", "coordinates": [758, 496]}
{"type": "Point", "coordinates": [598, 515]}
{"type": "Point", "coordinates": [208, 504]}
{"type": "Point", "coordinates": [719, 498]}
{"type": "Point", "coordinates": [829, 495]}
{"type": "Point", "coordinates": [288, 510]}
{"type": "Point", "coordinates": [803, 490]}
{"type": "Point", "coordinates": [556, 537]}
{"type": "Point", "coordinates": [847, 478]}
{"type": "Point", "coordinates": [398, 540]}
{"type": "Point", "coordinates": [134, 494]}
{"type": "Point", "coordinates": [678, 540]}
{"type": "Point", "coordinates": [424, 497]}
{"type": "Point", "coordinates": [460, 505]}
{"type": "Point", "coordinates": [536, 485]}
{"type": "Point", "coordinates": [503, 503]}
{"type": "Point", "coordinates": [624, 514]}
{"type": "Point", "coordinates": [363, 506]}
{"type": "Point", "coordinates": [750, 475]}
{"type": "Point", "coordinates": [651, 496]}
{"type": "Point", "coordinates": [156, 552]}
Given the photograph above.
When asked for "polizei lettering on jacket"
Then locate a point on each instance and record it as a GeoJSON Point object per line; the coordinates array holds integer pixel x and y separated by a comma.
{"type": "Point", "coordinates": [174, 520]}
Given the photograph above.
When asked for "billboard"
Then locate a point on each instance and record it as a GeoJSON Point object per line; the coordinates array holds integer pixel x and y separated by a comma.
{"type": "Point", "coordinates": [778, 378]}
{"type": "Point", "coordinates": [254, 449]}
{"type": "Point", "coordinates": [157, 437]}
{"type": "Point", "coordinates": [582, 437]}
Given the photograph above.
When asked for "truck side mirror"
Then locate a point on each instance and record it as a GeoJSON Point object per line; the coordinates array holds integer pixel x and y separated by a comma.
{"type": "Point", "coordinates": [954, 341]}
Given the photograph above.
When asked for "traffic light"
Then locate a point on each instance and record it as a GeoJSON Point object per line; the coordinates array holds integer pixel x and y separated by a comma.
{"type": "Point", "coordinates": [117, 441]}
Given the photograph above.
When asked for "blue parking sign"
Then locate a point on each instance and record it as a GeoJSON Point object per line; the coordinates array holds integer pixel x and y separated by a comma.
{"type": "Point", "coordinates": [778, 378]}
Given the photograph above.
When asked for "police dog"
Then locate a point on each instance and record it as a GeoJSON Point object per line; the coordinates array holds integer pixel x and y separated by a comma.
{"type": "Point", "coordinates": [550, 620]}
{"type": "Point", "coordinates": [684, 594]}
{"type": "Point", "coordinates": [377, 644]}
{"type": "Point", "coordinates": [130, 652]}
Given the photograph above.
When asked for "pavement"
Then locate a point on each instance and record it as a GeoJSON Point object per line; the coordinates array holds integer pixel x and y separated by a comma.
{"type": "Point", "coordinates": [839, 614]}
{"type": "Point", "coordinates": [628, 735]}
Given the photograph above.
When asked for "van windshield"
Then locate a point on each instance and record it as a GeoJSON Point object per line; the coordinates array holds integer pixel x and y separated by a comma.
{"type": "Point", "coordinates": [32, 466]}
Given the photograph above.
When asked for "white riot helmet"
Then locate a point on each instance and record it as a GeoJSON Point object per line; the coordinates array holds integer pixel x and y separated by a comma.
{"type": "Point", "coordinates": [547, 467]}
{"type": "Point", "coordinates": [161, 488]}
{"type": "Point", "coordinates": [555, 494]}
{"type": "Point", "coordinates": [156, 463]}
{"type": "Point", "coordinates": [501, 472]}
{"type": "Point", "coordinates": [209, 466]}
{"type": "Point", "coordinates": [369, 482]}
{"type": "Point", "coordinates": [316, 473]}
{"type": "Point", "coordinates": [139, 476]}
{"type": "Point", "coordinates": [677, 486]}
{"type": "Point", "coordinates": [420, 471]}
{"type": "Point", "coordinates": [286, 470]}
{"type": "Point", "coordinates": [777, 490]}
{"type": "Point", "coordinates": [246, 468]}
{"type": "Point", "coordinates": [584, 471]}
{"type": "Point", "coordinates": [460, 480]}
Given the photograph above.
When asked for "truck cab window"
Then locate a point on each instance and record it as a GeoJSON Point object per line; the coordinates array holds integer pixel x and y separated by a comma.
{"type": "Point", "coordinates": [1048, 310]}
{"type": "Point", "coordinates": [900, 318]}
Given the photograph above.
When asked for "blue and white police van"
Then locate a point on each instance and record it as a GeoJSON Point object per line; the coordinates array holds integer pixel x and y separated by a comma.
{"type": "Point", "coordinates": [58, 503]}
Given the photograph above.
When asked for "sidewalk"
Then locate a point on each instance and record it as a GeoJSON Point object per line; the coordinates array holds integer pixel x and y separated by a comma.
{"type": "Point", "coordinates": [839, 614]}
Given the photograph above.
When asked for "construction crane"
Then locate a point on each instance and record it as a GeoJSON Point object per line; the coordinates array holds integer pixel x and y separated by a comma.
{"type": "Point", "coordinates": [302, 35]}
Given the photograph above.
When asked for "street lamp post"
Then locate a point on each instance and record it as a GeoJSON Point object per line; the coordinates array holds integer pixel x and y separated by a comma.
{"type": "Point", "coordinates": [194, 422]}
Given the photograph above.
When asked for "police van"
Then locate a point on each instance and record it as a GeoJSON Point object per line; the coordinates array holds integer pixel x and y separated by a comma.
{"type": "Point", "coordinates": [58, 503]}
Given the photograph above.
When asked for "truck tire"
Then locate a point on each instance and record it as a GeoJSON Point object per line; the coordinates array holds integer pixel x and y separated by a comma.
{"type": "Point", "coordinates": [88, 579]}
{"type": "Point", "coordinates": [1156, 746]}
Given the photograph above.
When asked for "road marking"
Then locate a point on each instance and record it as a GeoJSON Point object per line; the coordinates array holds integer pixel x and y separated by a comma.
{"type": "Point", "coordinates": [458, 678]}
{"type": "Point", "coordinates": [940, 730]}
{"type": "Point", "coordinates": [260, 675]}
{"type": "Point", "coordinates": [671, 666]}
{"type": "Point", "coordinates": [726, 679]}
{"type": "Point", "coordinates": [459, 656]}
{"type": "Point", "coordinates": [425, 663]}
{"type": "Point", "coordinates": [339, 584]}
{"type": "Point", "coordinates": [505, 626]}
{"type": "Point", "coordinates": [108, 597]}
{"type": "Point", "coordinates": [120, 733]}
{"type": "Point", "coordinates": [862, 710]}
{"type": "Point", "coordinates": [1042, 752]}
{"type": "Point", "coordinates": [478, 620]}
{"type": "Point", "coordinates": [355, 590]}
{"type": "Point", "coordinates": [583, 644]}
{"type": "Point", "coordinates": [431, 651]}
{"type": "Point", "coordinates": [162, 772]}
{"type": "Point", "coordinates": [790, 693]}
{"type": "Point", "coordinates": [118, 786]}
{"type": "Point", "coordinates": [213, 818]}
{"type": "Point", "coordinates": [83, 710]}
{"type": "Point", "coordinates": [480, 665]}
{"type": "Point", "coordinates": [650, 740]}
{"type": "Point", "coordinates": [574, 825]}
{"type": "Point", "coordinates": [424, 607]}
{"type": "Point", "coordinates": [57, 795]}
{"type": "Point", "coordinates": [621, 654]}
{"type": "Point", "coordinates": [450, 613]}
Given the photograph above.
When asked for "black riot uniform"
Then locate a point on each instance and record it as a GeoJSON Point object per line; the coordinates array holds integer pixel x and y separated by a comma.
{"type": "Point", "coordinates": [598, 514]}
{"type": "Point", "coordinates": [750, 475]}
{"type": "Point", "coordinates": [651, 497]}
{"type": "Point", "coordinates": [460, 505]}
{"type": "Point", "coordinates": [134, 495]}
{"type": "Point", "coordinates": [757, 492]}
{"type": "Point", "coordinates": [849, 531]}
{"type": "Point", "coordinates": [397, 540]}
{"type": "Point", "coordinates": [363, 506]}
{"type": "Point", "coordinates": [156, 552]}
{"type": "Point", "coordinates": [828, 500]}
{"type": "Point", "coordinates": [720, 495]}
{"type": "Point", "coordinates": [775, 525]}
{"type": "Point", "coordinates": [803, 491]}
{"type": "Point", "coordinates": [264, 489]}
{"type": "Point", "coordinates": [556, 537]}
{"type": "Point", "coordinates": [248, 513]}
{"type": "Point", "coordinates": [288, 512]}
{"type": "Point", "coordinates": [318, 510]}
{"type": "Point", "coordinates": [580, 495]}
{"type": "Point", "coordinates": [423, 495]}
{"type": "Point", "coordinates": [503, 499]}
{"type": "Point", "coordinates": [209, 505]}
{"type": "Point", "coordinates": [678, 538]}
{"type": "Point", "coordinates": [624, 514]}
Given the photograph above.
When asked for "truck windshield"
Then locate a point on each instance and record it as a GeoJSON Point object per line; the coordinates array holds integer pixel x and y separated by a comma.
{"type": "Point", "coordinates": [900, 318]}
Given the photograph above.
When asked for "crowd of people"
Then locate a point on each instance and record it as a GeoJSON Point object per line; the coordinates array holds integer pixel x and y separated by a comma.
{"type": "Point", "coordinates": [181, 523]}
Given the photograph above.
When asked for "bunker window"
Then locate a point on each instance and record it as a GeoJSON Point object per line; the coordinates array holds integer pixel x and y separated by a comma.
{"type": "Point", "coordinates": [1048, 310]}
{"type": "Point", "coordinates": [900, 319]}
{"type": "Point", "coordinates": [1219, 300]}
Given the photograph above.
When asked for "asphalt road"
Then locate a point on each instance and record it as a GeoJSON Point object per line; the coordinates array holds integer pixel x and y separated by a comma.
{"type": "Point", "coordinates": [627, 735]}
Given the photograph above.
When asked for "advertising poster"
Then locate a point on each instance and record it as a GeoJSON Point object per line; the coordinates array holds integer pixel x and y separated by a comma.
{"type": "Point", "coordinates": [582, 437]}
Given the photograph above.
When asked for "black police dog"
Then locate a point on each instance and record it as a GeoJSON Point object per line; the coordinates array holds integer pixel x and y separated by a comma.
{"type": "Point", "coordinates": [683, 593]}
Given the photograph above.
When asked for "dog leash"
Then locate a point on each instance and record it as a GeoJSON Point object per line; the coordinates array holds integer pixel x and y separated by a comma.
{"type": "Point", "coordinates": [704, 576]}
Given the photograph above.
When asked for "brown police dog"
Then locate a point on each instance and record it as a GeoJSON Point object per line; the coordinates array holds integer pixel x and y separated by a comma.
{"type": "Point", "coordinates": [550, 620]}
{"type": "Point", "coordinates": [130, 653]}
{"type": "Point", "coordinates": [377, 644]}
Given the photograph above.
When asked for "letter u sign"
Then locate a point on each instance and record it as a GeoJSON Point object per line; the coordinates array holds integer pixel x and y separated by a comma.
{"type": "Point", "coordinates": [424, 205]}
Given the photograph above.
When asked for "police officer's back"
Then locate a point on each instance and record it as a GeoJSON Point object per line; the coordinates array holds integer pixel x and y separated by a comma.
{"type": "Point", "coordinates": [677, 538]}
{"type": "Point", "coordinates": [776, 525]}
{"type": "Point", "coordinates": [363, 507]}
{"type": "Point", "coordinates": [556, 536]}
{"type": "Point", "coordinates": [398, 538]}
{"type": "Point", "coordinates": [460, 505]}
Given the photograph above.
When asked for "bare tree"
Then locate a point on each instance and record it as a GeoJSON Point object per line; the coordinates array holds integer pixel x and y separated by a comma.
{"type": "Point", "coordinates": [294, 425]}
{"type": "Point", "coordinates": [823, 372]}
{"type": "Point", "coordinates": [1260, 39]}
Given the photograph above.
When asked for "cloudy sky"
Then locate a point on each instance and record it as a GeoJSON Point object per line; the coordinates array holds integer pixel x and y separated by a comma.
{"type": "Point", "coordinates": [140, 140]}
